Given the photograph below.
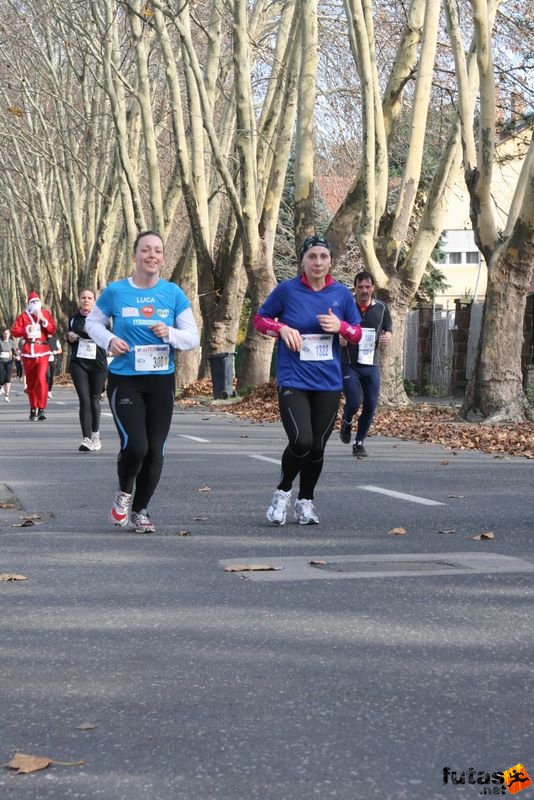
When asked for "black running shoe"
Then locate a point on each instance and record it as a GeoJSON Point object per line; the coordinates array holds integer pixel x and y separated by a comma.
{"type": "Point", "coordinates": [41, 414]}
{"type": "Point", "coordinates": [358, 450]}
{"type": "Point", "coordinates": [345, 431]}
{"type": "Point", "coordinates": [33, 415]}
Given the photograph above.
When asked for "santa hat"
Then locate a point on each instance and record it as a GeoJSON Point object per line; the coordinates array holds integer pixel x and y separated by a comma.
{"type": "Point", "coordinates": [33, 296]}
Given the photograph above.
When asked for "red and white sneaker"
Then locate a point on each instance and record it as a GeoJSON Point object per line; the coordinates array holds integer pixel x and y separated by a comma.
{"type": "Point", "coordinates": [141, 522]}
{"type": "Point", "coordinates": [120, 510]}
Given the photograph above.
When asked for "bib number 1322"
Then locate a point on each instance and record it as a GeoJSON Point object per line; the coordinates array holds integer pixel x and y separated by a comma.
{"type": "Point", "coordinates": [316, 347]}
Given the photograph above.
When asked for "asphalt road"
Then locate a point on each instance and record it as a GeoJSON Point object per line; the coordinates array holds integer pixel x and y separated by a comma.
{"type": "Point", "coordinates": [365, 677]}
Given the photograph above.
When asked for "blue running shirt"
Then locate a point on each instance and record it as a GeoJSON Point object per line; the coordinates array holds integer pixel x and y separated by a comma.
{"type": "Point", "coordinates": [297, 305]}
{"type": "Point", "coordinates": [133, 310]}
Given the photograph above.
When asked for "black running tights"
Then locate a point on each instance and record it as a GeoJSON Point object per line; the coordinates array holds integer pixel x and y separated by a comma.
{"type": "Point", "coordinates": [89, 385]}
{"type": "Point", "coordinates": [142, 407]}
{"type": "Point", "coordinates": [308, 418]}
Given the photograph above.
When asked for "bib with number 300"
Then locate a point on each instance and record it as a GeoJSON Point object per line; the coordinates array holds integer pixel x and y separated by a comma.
{"type": "Point", "coordinates": [316, 347]}
{"type": "Point", "coordinates": [152, 357]}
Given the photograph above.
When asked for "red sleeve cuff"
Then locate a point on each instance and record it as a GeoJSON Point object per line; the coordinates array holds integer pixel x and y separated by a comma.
{"type": "Point", "coordinates": [352, 333]}
{"type": "Point", "coordinates": [267, 326]}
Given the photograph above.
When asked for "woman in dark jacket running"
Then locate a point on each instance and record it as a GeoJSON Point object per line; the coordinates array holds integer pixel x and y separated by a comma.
{"type": "Point", "coordinates": [88, 367]}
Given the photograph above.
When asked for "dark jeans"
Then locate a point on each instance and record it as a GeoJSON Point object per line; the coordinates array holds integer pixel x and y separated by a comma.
{"type": "Point", "coordinates": [357, 381]}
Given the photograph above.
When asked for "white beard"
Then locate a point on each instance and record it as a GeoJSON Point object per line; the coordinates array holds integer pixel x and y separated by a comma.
{"type": "Point", "coordinates": [34, 307]}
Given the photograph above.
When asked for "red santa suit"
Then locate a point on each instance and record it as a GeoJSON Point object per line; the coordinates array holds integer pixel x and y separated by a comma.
{"type": "Point", "coordinates": [35, 350]}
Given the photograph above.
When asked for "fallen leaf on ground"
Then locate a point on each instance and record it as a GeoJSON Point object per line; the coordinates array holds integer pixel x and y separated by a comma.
{"type": "Point", "coordinates": [250, 568]}
{"type": "Point", "coordinates": [27, 522]}
{"type": "Point", "coordinates": [24, 763]}
{"type": "Point", "coordinates": [448, 530]}
{"type": "Point", "coordinates": [318, 563]}
{"type": "Point", "coordinates": [481, 536]}
{"type": "Point", "coordinates": [205, 489]}
{"type": "Point", "coordinates": [6, 504]}
{"type": "Point", "coordinates": [31, 516]}
{"type": "Point", "coordinates": [397, 531]}
{"type": "Point", "coordinates": [184, 533]}
{"type": "Point", "coordinates": [200, 519]}
{"type": "Point", "coordinates": [11, 576]}
{"type": "Point", "coordinates": [445, 461]}
{"type": "Point", "coordinates": [457, 496]}
{"type": "Point", "coordinates": [87, 726]}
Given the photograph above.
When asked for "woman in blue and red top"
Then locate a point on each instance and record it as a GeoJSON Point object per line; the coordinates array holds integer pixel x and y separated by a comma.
{"type": "Point", "coordinates": [307, 314]}
{"type": "Point", "coordinates": [35, 325]}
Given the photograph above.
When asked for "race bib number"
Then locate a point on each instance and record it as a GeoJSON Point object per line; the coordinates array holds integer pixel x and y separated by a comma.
{"type": "Point", "coordinates": [86, 349]}
{"type": "Point", "coordinates": [152, 357]}
{"type": "Point", "coordinates": [5, 355]}
{"type": "Point", "coordinates": [33, 331]}
{"type": "Point", "coordinates": [316, 347]}
{"type": "Point", "coordinates": [366, 346]}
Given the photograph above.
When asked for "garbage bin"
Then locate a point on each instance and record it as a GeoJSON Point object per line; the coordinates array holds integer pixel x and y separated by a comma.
{"type": "Point", "coordinates": [222, 375]}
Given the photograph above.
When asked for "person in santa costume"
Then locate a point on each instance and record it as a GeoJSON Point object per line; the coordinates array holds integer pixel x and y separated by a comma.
{"type": "Point", "coordinates": [34, 326]}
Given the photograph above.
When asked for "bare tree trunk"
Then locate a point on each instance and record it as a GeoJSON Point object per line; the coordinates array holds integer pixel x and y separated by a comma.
{"type": "Point", "coordinates": [398, 297]}
{"type": "Point", "coordinates": [496, 393]}
{"type": "Point", "coordinates": [495, 388]}
{"type": "Point", "coordinates": [187, 361]}
{"type": "Point", "coordinates": [304, 223]}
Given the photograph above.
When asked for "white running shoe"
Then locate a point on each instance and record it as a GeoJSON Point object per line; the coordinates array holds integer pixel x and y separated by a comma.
{"type": "Point", "coordinates": [86, 445]}
{"type": "Point", "coordinates": [141, 522]}
{"type": "Point", "coordinates": [95, 439]}
{"type": "Point", "coordinates": [6, 398]}
{"type": "Point", "coordinates": [120, 509]}
{"type": "Point", "coordinates": [305, 513]}
{"type": "Point", "coordinates": [277, 511]}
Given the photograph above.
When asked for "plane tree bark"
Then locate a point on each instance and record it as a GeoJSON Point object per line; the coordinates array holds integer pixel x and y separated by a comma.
{"type": "Point", "coordinates": [495, 389]}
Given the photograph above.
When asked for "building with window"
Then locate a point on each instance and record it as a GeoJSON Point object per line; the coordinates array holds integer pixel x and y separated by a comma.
{"type": "Point", "coordinates": [460, 261]}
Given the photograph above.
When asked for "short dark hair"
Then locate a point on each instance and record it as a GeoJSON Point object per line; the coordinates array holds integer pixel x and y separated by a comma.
{"type": "Point", "coordinates": [363, 276]}
{"type": "Point", "coordinates": [142, 234]}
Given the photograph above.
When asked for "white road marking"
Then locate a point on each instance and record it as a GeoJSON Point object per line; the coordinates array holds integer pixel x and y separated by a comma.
{"type": "Point", "coordinates": [412, 498]}
{"type": "Point", "coordinates": [266, 458]}
{"type": "Point", "coordinates": [193, 438]}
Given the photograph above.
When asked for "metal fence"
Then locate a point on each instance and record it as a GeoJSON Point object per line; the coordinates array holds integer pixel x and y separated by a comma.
{"type": "Point", "coordinates": [429, 342]}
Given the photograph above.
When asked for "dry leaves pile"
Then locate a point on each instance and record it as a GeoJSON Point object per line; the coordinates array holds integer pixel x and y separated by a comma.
{"type": "Point", "coordinates": [189, 396]}
{"type": "Point", "coordinates": [434, 424]}
{"type": "Point", "coordinates": [439, 425]}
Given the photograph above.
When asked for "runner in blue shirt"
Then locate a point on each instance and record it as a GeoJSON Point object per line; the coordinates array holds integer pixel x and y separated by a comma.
{"type": "Point", "coordinates": [151, 318]}
{"type": "Point", "coordinates": [307, 314]}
